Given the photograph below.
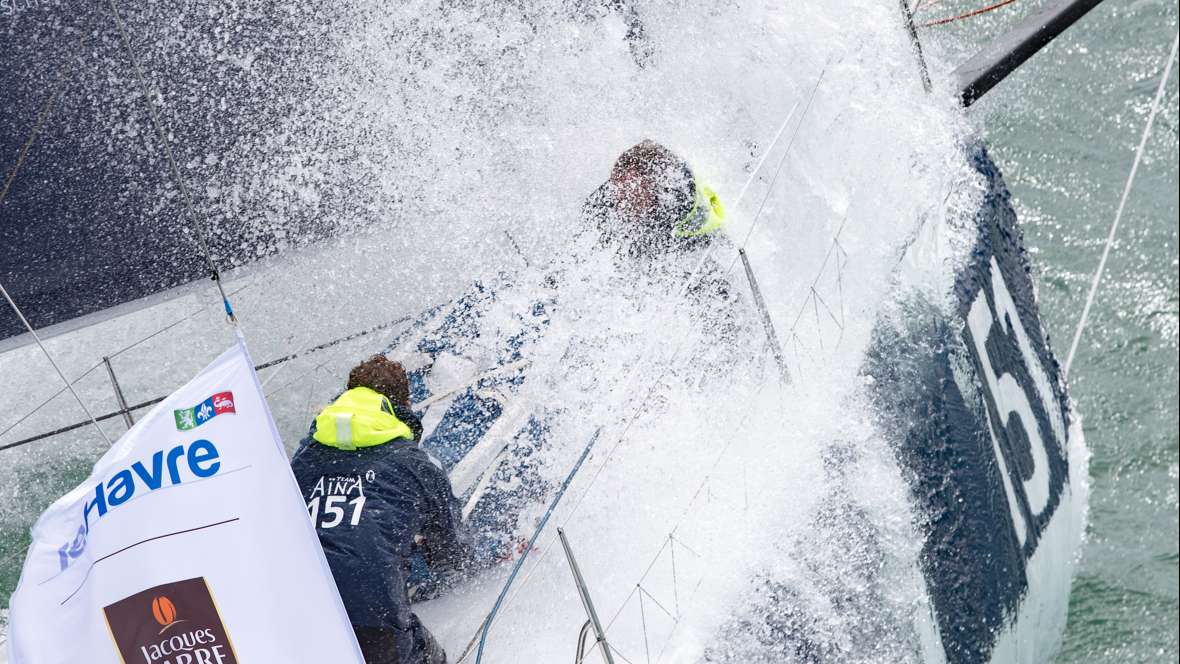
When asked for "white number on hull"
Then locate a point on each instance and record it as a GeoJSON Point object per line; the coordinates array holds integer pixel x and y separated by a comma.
{"type": "Point", "coordinates": [1009, 398]}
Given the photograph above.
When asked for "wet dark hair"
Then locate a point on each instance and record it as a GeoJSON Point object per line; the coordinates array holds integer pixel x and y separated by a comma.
{"type": "Point", "coordinates": [383, 375]}
{"type": "Point", "coordinates": [675, 188]}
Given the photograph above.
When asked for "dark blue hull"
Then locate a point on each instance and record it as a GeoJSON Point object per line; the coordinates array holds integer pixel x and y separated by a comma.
{"type": "Point", "coordinates": [976, 405]}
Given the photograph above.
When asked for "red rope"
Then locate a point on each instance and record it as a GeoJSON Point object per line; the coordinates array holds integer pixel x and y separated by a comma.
{"type": "Point", "coordinates": [977, 12]}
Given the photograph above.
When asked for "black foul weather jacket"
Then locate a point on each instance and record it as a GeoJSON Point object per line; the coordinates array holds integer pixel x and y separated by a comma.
{"type": "Point", "coordinates": [371, 507]}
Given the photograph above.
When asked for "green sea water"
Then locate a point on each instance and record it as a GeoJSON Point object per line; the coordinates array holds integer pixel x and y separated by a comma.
{"type": "Point", "coordinates": [1064, 131]}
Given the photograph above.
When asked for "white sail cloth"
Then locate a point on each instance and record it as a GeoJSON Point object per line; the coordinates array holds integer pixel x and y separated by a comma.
{"type": "Point", "coordinates": [188, 544]}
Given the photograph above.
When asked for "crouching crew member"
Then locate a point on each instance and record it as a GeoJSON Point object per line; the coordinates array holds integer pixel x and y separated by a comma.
{"type": "Point", "coordinates": [375, 497]}
{"type": "Point", "coordinates": [653, 203]}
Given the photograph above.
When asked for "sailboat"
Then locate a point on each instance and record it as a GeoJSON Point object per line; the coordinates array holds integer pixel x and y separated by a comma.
{"type": "Point", "coordinates": [950, 387]}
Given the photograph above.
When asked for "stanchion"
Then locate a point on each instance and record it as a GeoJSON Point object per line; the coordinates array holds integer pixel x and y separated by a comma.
{"type": "Point", "coordinates": [123, 409]}
{"type": "Point", "coordinates": [587, 603]}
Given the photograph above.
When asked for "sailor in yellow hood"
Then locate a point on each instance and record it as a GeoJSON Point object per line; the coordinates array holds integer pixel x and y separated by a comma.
{"type": "Point", "coordinates": [653, 202]}
{"type": "Point", "coordinates": [376, 499]}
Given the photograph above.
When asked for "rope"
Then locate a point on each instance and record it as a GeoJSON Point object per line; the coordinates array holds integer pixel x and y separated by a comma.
{"type": "Point", "coordinates": [970, 14]}
{"type": "Point", "coordinates": [1114, 227]}
{"type": "Point", "coordinates": [20, 314]}
{"type": "Point", "coordinates": [203, 228]}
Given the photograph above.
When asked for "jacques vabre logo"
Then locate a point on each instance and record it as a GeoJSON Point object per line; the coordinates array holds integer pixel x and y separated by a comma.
{"type": "Point", "coordinates": [174, 623]}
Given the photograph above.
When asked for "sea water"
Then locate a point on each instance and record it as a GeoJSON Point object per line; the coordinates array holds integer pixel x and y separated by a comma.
{"type": "Point", "coordinates": [1064, 130]}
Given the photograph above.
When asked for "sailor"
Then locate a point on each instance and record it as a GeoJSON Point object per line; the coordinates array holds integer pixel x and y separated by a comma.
{"type": "Point", "coordinates": [655, 219]}
{"type": "Point", "coordinates": [378, 501]}
{"type": "Point", "coordinates": [652, 211]}
{"type": "Point", "coordinates": [663, 223]}
{"type": "Point", "coordinates": [653, 203]}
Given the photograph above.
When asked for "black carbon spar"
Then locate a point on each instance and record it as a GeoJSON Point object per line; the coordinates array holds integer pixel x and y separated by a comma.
{"type": "Point", "coordinates": [984, 70]}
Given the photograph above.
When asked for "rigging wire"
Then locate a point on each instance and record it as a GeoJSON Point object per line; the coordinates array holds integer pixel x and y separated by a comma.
{"type": "Point", "coordinates": [20, 314]}
{"type": "Point", "coordinates": [765, 155]}
{"type": "Point", "coordinates": [1114, 227]}
{"type": "Point", "coordinates": [671, 540]}
{"type": "Point", "coordinates": [683, 290]}
{"type": "Point", "coordinates": [62, 76]}
{"type": "Point", "coordinates": [98, 364]}
{"type": "Point", "coordinates": [921, 5]}
{"type": "Point", "coordinates": [1097, 278]}
{"type": "Point", "coordinates": [275, 374]}
{"type": "Point", "coordinates": [907, 16]}
{"type": "Point", "coordinates": [487, 624]}
{"type": "Point", "coordinates": [42, 116]}
{"type": "Point", "coordinates": [203, 229]}
{"type": "Point", "coordinates": [260, 367]}
{"type": "Point", "coordinates": [811, 289]}
{"type": "Point", "coordinates": [779, 169]}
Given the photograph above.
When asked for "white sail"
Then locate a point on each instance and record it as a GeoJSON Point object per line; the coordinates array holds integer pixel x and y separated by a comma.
{"type": "Point", "coordinates": [189, 536]}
